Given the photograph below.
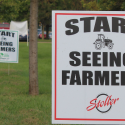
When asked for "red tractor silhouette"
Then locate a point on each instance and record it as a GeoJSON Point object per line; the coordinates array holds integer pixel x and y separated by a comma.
{"type": "Point", "coordinates": [102, 42]}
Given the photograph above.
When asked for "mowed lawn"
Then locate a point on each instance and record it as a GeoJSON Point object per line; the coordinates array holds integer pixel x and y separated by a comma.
{"type": "Point", "coordinates": [17, 107]}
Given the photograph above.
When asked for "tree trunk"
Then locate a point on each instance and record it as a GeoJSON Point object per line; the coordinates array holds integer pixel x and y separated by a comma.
{"type": "Point", "coordinates": [33, 66]}
{"type": "Point", "coordinates": [42, 31]}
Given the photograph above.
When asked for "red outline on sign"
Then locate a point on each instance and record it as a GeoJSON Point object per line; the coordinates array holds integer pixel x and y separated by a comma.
{"type": "Point", "coordinates": [78, 119]}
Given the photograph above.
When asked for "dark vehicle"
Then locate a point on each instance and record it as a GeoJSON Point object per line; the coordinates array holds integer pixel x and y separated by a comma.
{"type": "Point", "coordinates": [4, 26]}
{"type": "Point", "coordinates": [102, 42]}
{"type": "Point", "coordinates": [23, 37]}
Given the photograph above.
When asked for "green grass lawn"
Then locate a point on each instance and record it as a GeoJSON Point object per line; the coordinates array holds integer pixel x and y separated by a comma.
{"type": "Point", "coordinates": [45, 40]}
{"type": "Point", "coordinates": [17, 107]}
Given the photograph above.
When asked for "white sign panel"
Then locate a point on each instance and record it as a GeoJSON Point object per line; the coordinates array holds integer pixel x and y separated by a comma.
{"type": "Point", "coordinates": [9, 46]}
{"type": "Point", "coordinates": [88, 67]}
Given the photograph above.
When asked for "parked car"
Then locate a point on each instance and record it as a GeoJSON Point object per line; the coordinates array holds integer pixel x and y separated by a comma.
{"type": "Point", "coordinates": [40, 35]}
{"type": "Point", "coordinates": [50, 35]}
{"type": "Point", "coordinates": [23, 37]}
{"type": "Point", "coordinates": [39, 31]}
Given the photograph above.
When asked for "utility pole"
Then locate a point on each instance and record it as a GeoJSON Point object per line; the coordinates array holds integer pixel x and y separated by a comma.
{"type": "Point", "coordinates": [33, 63]}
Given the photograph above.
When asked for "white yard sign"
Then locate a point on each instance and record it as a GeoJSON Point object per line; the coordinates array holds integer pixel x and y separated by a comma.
{"type": "Point", "coordinates": [9, 46]}
{"type": "Point", "coordinates": [88, 67]}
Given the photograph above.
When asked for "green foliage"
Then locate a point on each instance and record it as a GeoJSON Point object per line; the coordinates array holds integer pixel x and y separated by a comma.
{"type": "Point", "coordinates": [46, 7]}
{"type": "Point", "coordinates": [104, 5]}
{"type": "Point", "coordinates": [24, 10]}
{"type": "Point", "coordinates": [112, 5]}
{"type": "Point", "coordinates": [123, 6]}
{"type": "Point", "coordinates": [71, 5]}
{"type": "Point", "coordinates": [90, 4]}
{"type": "Point", "coordinates": [44, 11]}
{"type": "Point", "coordinates": [17, 10]}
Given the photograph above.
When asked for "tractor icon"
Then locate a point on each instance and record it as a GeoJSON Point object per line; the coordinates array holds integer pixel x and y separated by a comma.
{"type": "Point", "coordinates": [3, 39]}
{"type": "Point", "coordinates": [102, 42]}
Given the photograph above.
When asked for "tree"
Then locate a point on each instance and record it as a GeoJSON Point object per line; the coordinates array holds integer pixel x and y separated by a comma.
{"type": "Point", "coordinates": [71, 5]}
{"type": "Point", "coordinates": [104, 5]}
{"type": "Point", "coordinates": [112, 5]}
{"type": "Point", "coordinates": [24, 10]}
{"type": "Point", "coordinates": [17, 10]}
{"type": "Point", "coordinates": [33, 64]}
{"type": "Point", "coordinates": [44, 14]}
{"type": "Point", "coordinates": [90, 4]}
{"type": "Point", "coordinates": [46, 7]}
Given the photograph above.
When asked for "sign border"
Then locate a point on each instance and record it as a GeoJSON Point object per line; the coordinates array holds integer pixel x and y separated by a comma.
{"type": "Point", "coordinates": [17, 55]}
{"type": "Point", "coordinates": [55, 96]}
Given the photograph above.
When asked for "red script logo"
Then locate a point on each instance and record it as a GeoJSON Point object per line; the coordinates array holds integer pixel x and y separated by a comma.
{"type": "Point", "coordinates": [102, 103]}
